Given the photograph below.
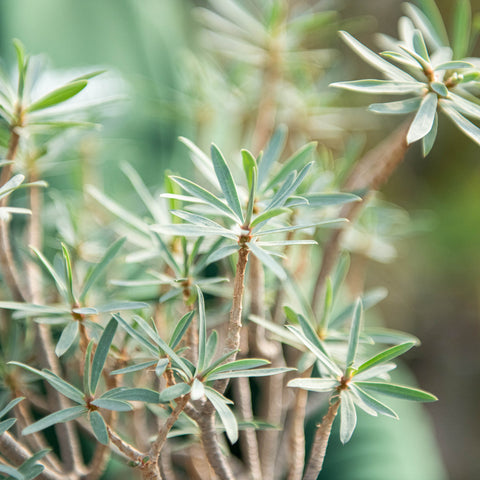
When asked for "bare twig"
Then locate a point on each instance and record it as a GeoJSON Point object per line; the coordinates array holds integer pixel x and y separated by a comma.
{"type": "Point", "coordinates": [320, 442]}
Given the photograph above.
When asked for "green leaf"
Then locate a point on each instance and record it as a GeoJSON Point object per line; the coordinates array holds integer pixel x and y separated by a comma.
{"type": "Point", "coordinates": [272, 153]}
{"type": "Point", "coordinates": [57, 96]}
{"type": "Point", "coordinates": [12, 184]}
{"type": "Point", "coordinates": [96, 271]}
{"type": "Point", "coordinates": [419, 45]}
{"type": "Point", "coordinates": [297, 160]}
{"type": "Point", "coordinates": [314, 384]}
{"type": "Point", "coordinates": [429, 139]}
{"type": "Point", "coordinates": [57, 417]}
{"type": "Point", "coordinates": [463, 105]}
{"type": "Point", "coordinates": [21, 65]}
{"type": "Point", "coordinates": [372, 402]}
{"type": "Point", "coordinates": [132, 394]}
{"type": "Point", "coordinates": [201, 161]}
{"type": "Point", "coordinates": [6, 425]}
{"type": "Point", "coordinates": [380, 86]}
{"type": "Point", "coordinates": [10, 405]}
{"type": "Point", "coordinates": [228, 419]}
{"type": "Point", "coordinates": [401, 107]}
{"type": "Point", "coordinates": [136, 335]}
{"type": "Point", "coordinates": [13, 472]}
{"type": "Point", "coordinates": [180, 329]}
{"type": "Point", "coordinates": [467, 127]}
{"type": "Point", "coordinates": [112, 404]}
{"type": "Point", "coordinates": [254, 372]}
{"type": "Point", "coordinates": [202, 331]}
{"type": "Point", "coordinates": [87, 369]}
{"type": "Point", "coordinates": [375, 60]}
{"type": "Point", "coordinates": [439, 88]}
{"type": "Point", "coordinates": [242, 364]}
{"type": "Point", "coordinates": [354, 336]}
{"type": "Point", "coordinates": [171, 393]}
{"type": "Point", "coordinates": [161, 366]}
{"type": "Point", "coordinates": [348, 417]}
{"type": "Point", "coordinates": [202, 221]}
{"type": "Point", "coordinates": [398, 391]}
{"type": "Point", "coordinates": [385, 356]}
{"type": "Point", "coordinates": [387, 335]}
{"type": "Point", "coordinates": [186, 230]}
{"type": "Point", "coordinates": [430, 21]}
{"type": "Point", "coordinates": [198, 390]}
{"type": "Point", "coordinates": [134, 368]}
{"type": "Point", "coordinates": [226, 181]}
{"type": "Point", "coordinates": [267, 260]}
{"type": "Point", "coordinates": [29, 468]}
{"type": "Point", "coordinates": [68, 336]}
{"type": "Point", "coordinates": [454, 65]}
{"type": "Point", "coordinates": [310, 333]}
{"type": "Point", "coordinates": [56, 382]}
{"type": "Point", "coordinates": [111, 307]}
{"type": "Point", "coordinates": [211, 347]}
{"type": "Point", "coordinates": [249, 167]}
{"type": "Point", "coordinates": [101, 353]}
{"type": "Point", "coordinates": [99, 427]}
{"type": "Point", "coordinates": [283, 243]}
{"type": "Point", "coordinates": [462, 21]}
{"type": "Point", "coordinates": [68, 274]}
{"type": "Point", "coordinates": [263, 217]}
{"type": "Point", "coordinates": [330, 199]}
{"type": "Point", "coordinates": [48, 266]}
{"type": "Point", "coordinates": [424, 119]}
{"type": "Point", "coordinates": [324, 360]}
{"type": "Point", "coordinates": [325, 223]}
{"type": "Point", "coordinates": [222, 253]}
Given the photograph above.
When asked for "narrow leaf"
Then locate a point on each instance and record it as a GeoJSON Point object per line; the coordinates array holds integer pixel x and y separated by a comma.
{"type": "Point", "coordinates": [385, 356]}
{"type": "Point", "coordinates": [87, 369]}
{"type": "Point", "coordinates": [57, 417]}
{"type": "Point", "coordinates": [267, 215]}
{"type": "Point", "coordinates": [272, 153]}
{"type": "Point", "coordinates": [429, 139]}
{"type": "Point", "coordinates": [6, 425]}
{"type": "Point", "coordinates": [254, 372]}
{"type": "Point", "coordinates": [314, 384]}
{"type": "Point", "coordinates": [424, 119]}
{"type": "Point", "coordinates": [398, 391]}
{"type": "Point", "coordinates": [57, 96]}
{"type": "Point", "coordinates": [267, 260]}
{"type": "Point", "coordinates": [226, 416]}
{"type": "Point", "coordinates": [171, 393]}
{"type": "Point", "coordinates": [372, 402]}
{"type": "Point", "coordinates": [10, 405]}
{"type": "Point", "coordinates": [132, 394]}
{"type": "Point", "coordinates": [348, 417]}
{"type": "Point", "coordinates": [222, 253]}
{"type": "Point", "coordinates": [467, 127]}
{"type": "Point", "coordinates": [198, 390]}
{"type": "Point", "coordinates": [401, 107]}
{"type": "Point", "coordinates": [101, 353]}
{"type": "Point", "coordinates": [68, 336]}
{"type": "Point", "coordinates": [181, 328]}
{"type": "Point", "coordinates": [354, 335]}
{"type": "Point", "coordinates": [97, 270]}
{"type": "Point", "coordinates": [462, 22]}
{"type": "Point", "coordinates": [202, 331]}
{"type": "Point", "coordinates": [112, 404]}
{"type": "Point", "coordinates": [99, 427]}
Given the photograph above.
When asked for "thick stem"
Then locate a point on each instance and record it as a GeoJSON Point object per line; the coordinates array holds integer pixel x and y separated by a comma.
{"type": "Point", "coordinates": [320, 442]}
{"type": "Point", "coordinates": [370, 173]}
{"type": "Point", "coordinates": [216, 459]}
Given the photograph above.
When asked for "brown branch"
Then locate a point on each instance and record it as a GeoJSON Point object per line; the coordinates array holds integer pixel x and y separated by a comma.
{"type": "Point", "coordinates": [320, 442]}
{"type": "Point", "coordinates": [370, 173]}
{"type": "Point", "coordinates": [17, 453]}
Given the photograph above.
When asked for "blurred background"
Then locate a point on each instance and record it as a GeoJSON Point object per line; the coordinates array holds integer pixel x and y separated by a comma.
{"type": "Point", "coordinates": [156, 47]}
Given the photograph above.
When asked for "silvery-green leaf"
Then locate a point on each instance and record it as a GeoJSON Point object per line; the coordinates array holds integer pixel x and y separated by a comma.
{"type": "Point", "coordinates": [463, 105]}
{"type": "Point", "coordinates": [454, 65]}
{"type": "Point", "coordinates": [198, 390]}
{"type": "Point", "coordinates": [68, 336]}
{"type": "Point", "coordinates": [202, 331]}
{"type": "Point", "coordinates": [101, 353]}
{"type": "Point", "coordinates": [314, 384]}
{"type": "Point", "coordinates": [136, 367]}
{"type": "Point", "coordinates": [255, 372]}
{"type": "Point", "coordinates": [53, 273]}
{"type": "Point", "coordinates": [225, 179]}
{"type": "Point", "coordinates": [385, 356]}
{"type": "Point", "coordinates": [99, 427]}
{"type": "Point", "coordinates": [187, 230]}
{"type": "Point", "coordinates": [272, 153]}
{"type": "Point", "coordinates": [398, 391]}
{"type": "Point", "coordinates": [424, 119]}
{"type": "Point", "coordinates": [379, 407]}
{"type": "Point", "coordinates": [12, 472]}
{"type": "Point", "coordinates": [402, 59]}
{"type": "Point", "coordinates": [400, 107]}
{"type": "Point", "coordinates": [337, 222]}
{"type": "Point", "coordinates": [389, 87]}
{"type": "Point", "coordinates": [228, 419]}
{"type": "Point", "coordinates": [440, 88]}
{"type": "Point", "coordinates": [425, 65]}
{"type": "Point", "coordinates": [267, 260]}
{"type": "Point", "coordinates": [57, 417]}
{"type": "Point", "coordinates": [6, 425]}
{"type": "Point", "coordinates": [429, 21]}
{"type": "Point", "coordinates": [136, 394]}
{"type": "Point", "coordinates": [419, 45]}
{"type": "Point", "coordinates": [462, 123]}
{"type": "Point", "coordinates": [375, 60]}
{"type": "Point", "coordinates": [180, 329]}
{"type": "Point", "coordinates": [222, 253]}
{"type": "Point", "coordinates": [378, 372]}
{"type": "Point", "coordinates": [348, 417]}
{"type": "Point", "coordinates": [330, 199]}
{"type": "Point", "coordinates": [389, 336]}
{"type": "Point", "coordinates": [429, 139]}
{"type": "Point", "coordinates": [111, 404]}
{"type": "Point", "coordinates": [171, 393]}
{"type": "Point", "coordinates": [354, 335]}
{"type": "Point", "coordinates": [10, 405]}
{"type": "Point", "coordinates": [265, 216]}
{"type": "Point", "coordinates": [161, 366]}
